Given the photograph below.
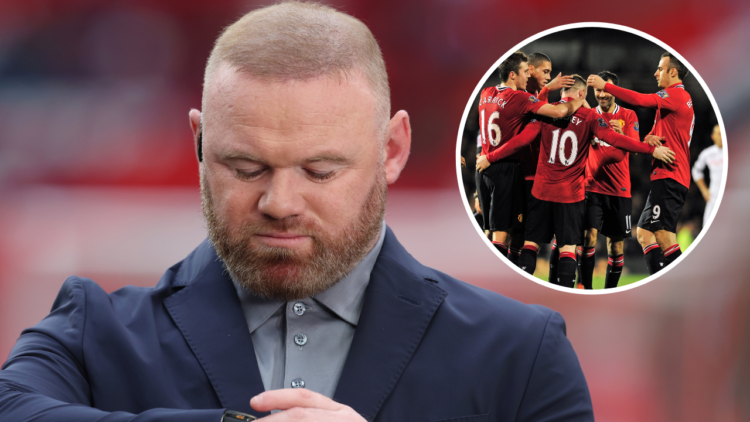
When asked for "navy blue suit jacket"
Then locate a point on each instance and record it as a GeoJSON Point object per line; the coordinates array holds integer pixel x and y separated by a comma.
{"type": "Point", "coordinates": [427, 348]}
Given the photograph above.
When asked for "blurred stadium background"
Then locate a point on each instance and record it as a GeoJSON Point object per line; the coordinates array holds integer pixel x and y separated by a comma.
{"type": "Point", "coordinates": [98, 176]}
{"type": "Point", "coordinates": [634, 59]}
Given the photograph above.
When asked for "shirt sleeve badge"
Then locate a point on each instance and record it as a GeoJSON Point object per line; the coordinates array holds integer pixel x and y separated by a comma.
{"type": "Point", "coordinates": [635, 126]}
{"type": "Point", "coordinates": [533, 99]}
{"type": "Point", "coordinates": [601, 122]}
{"type": "Point", "coordinates": [663, 93]}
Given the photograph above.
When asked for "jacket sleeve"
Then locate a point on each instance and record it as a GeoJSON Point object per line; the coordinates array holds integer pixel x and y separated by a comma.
{"type": "Point", "coordinates": [557, 389]}
{"type": "Point", "coordinates": [45, 376]}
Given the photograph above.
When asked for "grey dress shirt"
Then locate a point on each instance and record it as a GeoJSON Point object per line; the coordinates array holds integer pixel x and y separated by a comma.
{"type": "Point", "coordinates": [304, 343]}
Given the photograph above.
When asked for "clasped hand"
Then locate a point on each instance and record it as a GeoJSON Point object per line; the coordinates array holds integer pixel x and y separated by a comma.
{"type": "Point", "coordinates": [300, 404]}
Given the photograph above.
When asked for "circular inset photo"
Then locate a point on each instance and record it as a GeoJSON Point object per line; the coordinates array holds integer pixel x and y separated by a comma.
{"type": "Point", "coordinates": [592, 158]}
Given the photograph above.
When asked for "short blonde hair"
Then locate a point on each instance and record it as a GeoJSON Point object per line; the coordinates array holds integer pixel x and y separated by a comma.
{"type": "Point", "coordinates": [300, 41]}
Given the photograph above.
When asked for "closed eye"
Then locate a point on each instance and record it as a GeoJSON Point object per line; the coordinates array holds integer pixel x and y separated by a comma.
{"type": "Point", "coordinates": [244, 175]}
{"type": "Point", "coordinates": [320, 177]}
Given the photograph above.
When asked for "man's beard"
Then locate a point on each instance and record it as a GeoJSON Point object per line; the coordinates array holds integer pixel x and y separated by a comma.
{"type": "Point", "coordinates": [281, 273]}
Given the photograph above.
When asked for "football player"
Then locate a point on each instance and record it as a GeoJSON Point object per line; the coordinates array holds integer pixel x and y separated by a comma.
{"type": "Point", "coordinates": [674, 123]}
{"type": "Point", "coordinates": [559, 183]}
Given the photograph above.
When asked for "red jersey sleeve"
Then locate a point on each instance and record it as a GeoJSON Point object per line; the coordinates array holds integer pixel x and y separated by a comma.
{"type": "Point", "coordinates": [632, 97]}
{"type": "Point", "coordinates": [669, 98]}
{"type": "Point", "coordinates": [544, 94]}
{"type": "Point", "coordinates": [529, 103]}
{"type": "Point", "coordinates": [632, 130]}
{"type": "Point", "coordinates": [605, 133]}
{"type": "Point", "coordinates": [524, 138]}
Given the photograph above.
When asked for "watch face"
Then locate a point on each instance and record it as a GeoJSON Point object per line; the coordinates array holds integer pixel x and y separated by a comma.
{"type": "Point", "coordinates": [230, 416]}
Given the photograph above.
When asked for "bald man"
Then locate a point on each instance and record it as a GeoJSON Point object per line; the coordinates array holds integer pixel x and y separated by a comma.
{"type": "Point", "coordinates": [301, 305]}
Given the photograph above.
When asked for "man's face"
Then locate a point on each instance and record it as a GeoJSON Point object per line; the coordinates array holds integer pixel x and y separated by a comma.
{"type": "Point", "coordinates": [523, 75]}
{"type": "Point", "coordinates": [605, 99]}
{"type": "Point", "coordinates": [716, 136]}
{"type": "Point", "coordinates": [662, 73]}
{"type": "Point", "coordinates": [539, 75]}
{"type": "Point", "coordinates": [293, 182]}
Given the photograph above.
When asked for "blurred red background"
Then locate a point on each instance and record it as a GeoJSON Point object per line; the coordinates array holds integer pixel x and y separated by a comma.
{"type": "Point", "coordinates": [98, 176]}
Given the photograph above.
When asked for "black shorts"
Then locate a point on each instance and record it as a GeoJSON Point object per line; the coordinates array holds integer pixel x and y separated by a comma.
{"type": "Point", "coordinates": [501, 197]}
{"type": "Point", "coordinates": [547, 219]}
{"type": "Point", "coordinates": [608, 214]}
{"type": "Point", "coordinates": [663, 206]}
{"type": "Point", "coordinates": [528, 200]}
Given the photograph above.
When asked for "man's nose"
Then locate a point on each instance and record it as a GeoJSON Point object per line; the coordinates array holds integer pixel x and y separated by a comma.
{"type": "Point", "coordinates": [281, 198]}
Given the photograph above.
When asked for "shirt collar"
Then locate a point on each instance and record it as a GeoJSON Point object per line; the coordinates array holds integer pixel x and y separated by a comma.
{"type": "Point", "coordinates": [257, 309]}
{"type": "Point", "coordinates": [615, 111]}
{"type": "Point", "coordinates": [344, 298]}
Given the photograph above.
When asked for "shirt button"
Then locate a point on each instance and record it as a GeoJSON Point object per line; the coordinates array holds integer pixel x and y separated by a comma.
{"type": "Point", "coordinates": [298, 383]}
{"type": "Point", "coordinates": [300, 339]}
{"type": "Point", "coordinates": [299, 308]}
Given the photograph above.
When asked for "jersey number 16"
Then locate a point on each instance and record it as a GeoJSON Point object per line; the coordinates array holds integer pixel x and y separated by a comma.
{"type": "Point", "coordinates": [494, 140]}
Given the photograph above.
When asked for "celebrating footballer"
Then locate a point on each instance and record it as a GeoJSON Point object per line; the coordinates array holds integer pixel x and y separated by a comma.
{"type": "Point", "coordinates": [559, 172]}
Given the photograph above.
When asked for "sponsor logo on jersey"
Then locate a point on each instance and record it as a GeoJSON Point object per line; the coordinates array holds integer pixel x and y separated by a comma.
{"type": "Point", "coordinates": [636, 127]}
{"type": "Point", "coordinates": [533, 99]}
{"type": "Point", "coordinates": [601, 122]}
{"type": "Point", "coordinates": [663, 94]}
{"type": "Point", "coordinates": [597, 141]}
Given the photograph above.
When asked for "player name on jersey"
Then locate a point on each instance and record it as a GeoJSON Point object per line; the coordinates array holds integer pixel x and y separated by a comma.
{"type": "Point", "coordinates": [503, 112]}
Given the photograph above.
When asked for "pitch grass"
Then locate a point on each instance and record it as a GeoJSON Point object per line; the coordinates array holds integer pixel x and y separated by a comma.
{"type": "Point", "coordinates": [625, 279]}
{"type": "Point", "coordinates": [598, 282]}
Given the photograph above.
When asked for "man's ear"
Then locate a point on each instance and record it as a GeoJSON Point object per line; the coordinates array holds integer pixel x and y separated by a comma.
{"type": "Point", "coordinates": [195, 126]}
{"type": "Point", "coordinates": [397, 146]}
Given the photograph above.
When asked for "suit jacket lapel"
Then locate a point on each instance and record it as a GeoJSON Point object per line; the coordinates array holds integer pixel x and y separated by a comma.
{"type": "Point", "coordinates": [210, 317]}
{"type": "Point", "coordinates": [399, 305]}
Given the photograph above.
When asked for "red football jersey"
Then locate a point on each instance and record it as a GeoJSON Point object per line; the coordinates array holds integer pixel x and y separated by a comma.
{"type": "Point", "coordinates": [564, 152]}
{"type": "Point", "coordinates": [675, 119]}
{"type": "Point", "coordinates": [608, 168]}
{"type": "Point", "coordinates": [503, 112]}
{"type": "Point", "coordinates": [530, 155]}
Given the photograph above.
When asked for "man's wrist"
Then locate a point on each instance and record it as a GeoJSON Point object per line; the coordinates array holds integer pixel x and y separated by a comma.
{"type": "Point", "coordinates": [232, 416]}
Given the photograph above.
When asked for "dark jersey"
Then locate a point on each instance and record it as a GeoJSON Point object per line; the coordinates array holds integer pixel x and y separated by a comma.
{"type": "Point", "coordinates": [608, 168]}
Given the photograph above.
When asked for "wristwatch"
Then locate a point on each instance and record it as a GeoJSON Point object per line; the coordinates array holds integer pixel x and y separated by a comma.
{"type": "Point", "coordinates": [232, 416]}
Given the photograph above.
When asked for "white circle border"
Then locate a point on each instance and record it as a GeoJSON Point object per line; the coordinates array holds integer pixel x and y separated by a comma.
{"type": "Point", "coordinates": [656, 41]}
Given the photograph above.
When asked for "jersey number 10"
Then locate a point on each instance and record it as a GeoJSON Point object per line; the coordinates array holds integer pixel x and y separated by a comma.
{"type": "Point", "coordinates": [567, 135]}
